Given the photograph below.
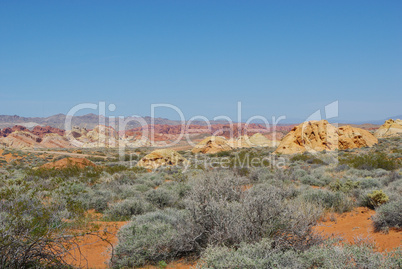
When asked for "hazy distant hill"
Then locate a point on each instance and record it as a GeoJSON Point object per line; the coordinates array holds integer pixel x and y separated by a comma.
{"type": "Point", "coordinates": [88, 121]}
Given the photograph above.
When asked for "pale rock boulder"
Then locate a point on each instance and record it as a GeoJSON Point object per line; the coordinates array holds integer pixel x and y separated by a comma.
{"type": "Point", "coordinates": [162, 157]}
{"type": "Point", "coordinates": [240, 142]}
{"type": "Point", "coordinates": [259, 140]}
{"type": "Point", "coordinates": [212, 144]}
{"type": "Point", "coordinates": [256, 140]}
{"type": "Point", "coordinates": [391, 128]}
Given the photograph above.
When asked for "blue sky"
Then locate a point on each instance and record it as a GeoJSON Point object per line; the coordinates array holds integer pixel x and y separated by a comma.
{"type": "Point", "coordinates": [276, 57]}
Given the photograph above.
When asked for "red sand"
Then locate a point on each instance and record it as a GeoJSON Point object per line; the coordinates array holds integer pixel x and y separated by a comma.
{"type": "Point", "coordinates": [95, 253]}
{"type": "Point", "coordinates": [358, 223]}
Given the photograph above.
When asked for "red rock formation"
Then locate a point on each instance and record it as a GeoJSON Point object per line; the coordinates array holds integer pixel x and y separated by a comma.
{"type": "Point", "coordinates": [41, 131]}
{"type": "Point", "coordinates": [37, 130]}
{"type": "Point", "coordinates": [225, 130]}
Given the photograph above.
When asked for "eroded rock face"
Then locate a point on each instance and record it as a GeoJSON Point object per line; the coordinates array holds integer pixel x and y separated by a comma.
{"type": "Point", "coordinates": [55, 141]}
{"type": "Point", "coordinates": [320, 135]}
{"type": "Point", "coordinates": [162, 157]}
{"type": "Point", "coordinates": [21, 139]}
{"type": "Point", "coordinates": [391, 128]}
{"type": "Point", "coordinates": [309, 136]}
{"type": "Point", "coordinates": [76, 132]}
{"type": "Point", "coordinates": [352, 137]}
{"type": "Point", "coordinates": [212, 144]}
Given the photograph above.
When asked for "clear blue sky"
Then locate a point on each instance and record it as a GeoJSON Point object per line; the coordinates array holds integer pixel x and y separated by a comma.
{"type": "Point", "coordinates": [276, 57]}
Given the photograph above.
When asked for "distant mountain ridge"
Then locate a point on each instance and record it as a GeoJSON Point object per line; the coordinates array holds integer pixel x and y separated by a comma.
{"type": "Point", "coordinates": [88, 121]}
{"type": "Point", "coordinates": [91, 120]}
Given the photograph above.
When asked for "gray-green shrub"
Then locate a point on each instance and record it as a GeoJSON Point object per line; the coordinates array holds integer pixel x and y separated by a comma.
{"type": "Point", "coordinates": [388, 215]}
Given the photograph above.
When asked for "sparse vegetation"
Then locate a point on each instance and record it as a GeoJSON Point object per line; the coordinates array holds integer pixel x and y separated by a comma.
{"type": "Point", "coordinates": [236, 216]}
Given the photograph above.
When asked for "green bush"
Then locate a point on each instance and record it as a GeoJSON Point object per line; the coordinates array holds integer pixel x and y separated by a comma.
{"type": "Point", "coordinates": [344, 186]}
{"type": "Point", "coordinates": [372, 161]}
{"type": "Point", "coordinates": [375, 199]}
{"type": "Point", "coordinates": [308, 158]}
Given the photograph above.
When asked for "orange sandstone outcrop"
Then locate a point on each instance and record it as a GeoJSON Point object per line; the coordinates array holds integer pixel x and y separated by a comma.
{"type": "Point", "coordinates": [212, 144]}
{"type": "Point", "coordinates": [390, 128]}
{"type": "Point", "coordinates": [352, 137]}
{"type": "Point", "coordinates": [162, 157]}
{"type": "Point", "coordinates": [69, 162]}
{"type": "Point", "coordinates": [320, 135]}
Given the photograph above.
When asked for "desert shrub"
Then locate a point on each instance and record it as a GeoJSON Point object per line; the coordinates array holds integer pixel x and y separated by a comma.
{"type": "Point", "coordinates": [374, 199]}
{"type": "Point", "coordinates": [388, 215]}
{"type": "Point", "coordinates": [312, 181]}
{"type": "Point", "coordinates": [219, 211]}
{"type": "Point", "coordinates": [258, 255]}
{"type": "Point", "coordinates": [31, 232]}
{"type": "Point", "coordinates": [161, 197]}
{"type": "Point", "coordinates": [341, 168]}
{"type": "Point", "coordinates": [334, 201]}
{"type": "Point", "coordinates": [221, 154]}
{"type": "Point", "coordinates": [96, 199]}
{"type": "Point", "coordinates": [66, 195]}
{"type": "Point", "coordinates": [151, 180]}
{"type": "Point", "coordinates": [392, 177]}
{"type": "Point", "coordinates": [125, 209]}
{"type": "Point", "coordinates": [261, 175]}
{"type": "Point", "coordinates": [369, 183]}
{"type": "Point", "coordinates": [372, 161]}
{"type": "Point", "coordinates": [150, 238]}
{"type": "Point", "coordinates": [227, 215]}
{"type": "Point", "coordinates": [267, 254]}
{"type": "Point", "coordinates": [343, 255]}
{"type": "Point", "coordinates": [307, 157]}
{"type": "Point", "coordinates": [298, 173]}
{"type": "Point", "coordinates": [345, 186]}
